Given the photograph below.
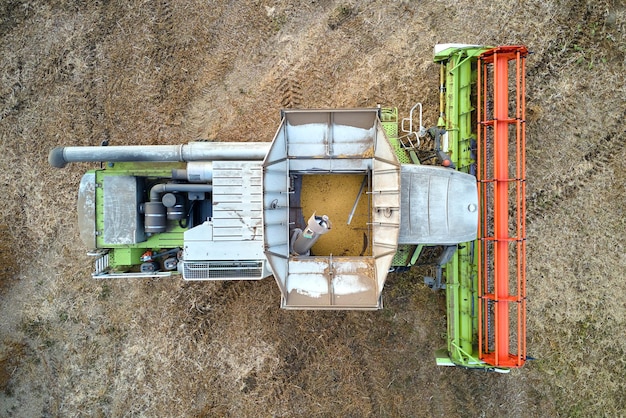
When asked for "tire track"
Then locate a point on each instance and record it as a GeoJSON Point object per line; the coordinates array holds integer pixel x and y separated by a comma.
{"type": "Point", "coordinates": [325, 360]}
{"type": "Point", "coordinates": [599, 155]}
{"type": "Point", "coordinates": [299, 352]}
{"type": "Point", "coordinates": [372, 370]}
{"type": "Point", "coordinates": [93, 88]}
{"type": "Point", "coordinates": [164, 52]}
{"type": "Point", "coordinates": [547, 65]}
{"type": "Point", "coordinates": [210, 310]}
{"type": "Point", "coordinates": [290, 91]}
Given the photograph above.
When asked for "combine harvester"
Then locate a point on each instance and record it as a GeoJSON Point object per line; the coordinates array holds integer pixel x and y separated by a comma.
{"type": "Point", "coordinates": [246, 211]}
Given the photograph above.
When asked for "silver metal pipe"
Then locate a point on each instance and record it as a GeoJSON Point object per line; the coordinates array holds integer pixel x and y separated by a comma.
{"type": "Point", "coordinates": [158, 189]}
{"type": "Point", "coordinates": [194, 151]}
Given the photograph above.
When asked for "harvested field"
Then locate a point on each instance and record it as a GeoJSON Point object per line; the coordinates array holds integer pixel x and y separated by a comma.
{"type": "Point", "coordinates": [166, 72]}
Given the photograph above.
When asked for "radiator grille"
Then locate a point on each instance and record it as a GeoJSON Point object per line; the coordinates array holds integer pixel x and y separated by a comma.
{"type": "Point", "coordinates": [222, 270]}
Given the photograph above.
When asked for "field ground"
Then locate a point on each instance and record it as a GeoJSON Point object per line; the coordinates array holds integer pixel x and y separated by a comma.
{"type": "Point", "coordinates": [172, 72]}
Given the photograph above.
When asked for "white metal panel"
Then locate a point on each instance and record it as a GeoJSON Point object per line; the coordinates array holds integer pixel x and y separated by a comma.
{"type": "Point", "coordinates": [354, 165]}
{"type": "Point", "coordinates": [222, 250]}
{"type": "Point", "coordinates": [86, 205]}
{"type": "Point", "coordinates": [382, 267]}
{"type": "Point", "coordinates": [277, 236]}
{"type": "Point", "coordinates": [237, 201]}
{"type": "Point", "coordinates": [307, 133]}
{"type": "Point", "coordinates": [278, 146]}
{"type": "Point", "coordinates": [276, 208]}
{"type": "Point", "coordinates": [276, 216]}
{"type": "Point", "coordinates": [202, 232]}
{"type": "Point", "coordinates": [350, 284]}
{"type": "Point", "coordinates": [307, 140]}
{"type": "Point", "coordinates": [123, 223]}
{"type": "Point", "coordinates": [307, 291]}
{"type": "Point", "coordinates": [386, 206]}
{"type": "Point", "coordinates": [331, 133]}
{"type": "Point", "coordinates": [352, 140]}
{"type": "Point", "coordinates": [235, 231]}
{"type": "Point", "coordinates": [302, 265]}
{"type": "Point", "coordinates": [275, 179]}
{"type": "Point", "coordinates": [307, 282]}
{"type": "Point", "coordinates": [239, 233]}
{"type": "Point", "coordinates": [353, 282]}
{"type": "Point", "coordinates": [383, 149]}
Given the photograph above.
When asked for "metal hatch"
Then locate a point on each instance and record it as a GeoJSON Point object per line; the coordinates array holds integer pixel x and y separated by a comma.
{"type": "Point", "coordinates": [439, 206]}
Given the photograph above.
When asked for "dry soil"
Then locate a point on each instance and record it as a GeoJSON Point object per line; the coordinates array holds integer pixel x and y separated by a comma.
{"type": "Point", "coordinates": [169, 72]}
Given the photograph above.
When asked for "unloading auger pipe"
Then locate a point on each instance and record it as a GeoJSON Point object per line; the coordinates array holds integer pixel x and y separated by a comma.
{"type": "Point", "coordinates": [194, 151]}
